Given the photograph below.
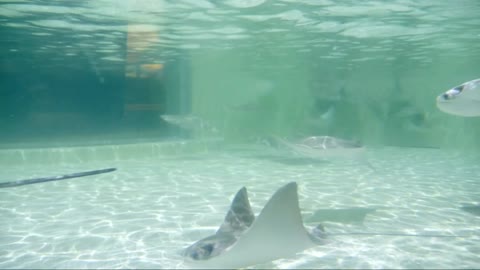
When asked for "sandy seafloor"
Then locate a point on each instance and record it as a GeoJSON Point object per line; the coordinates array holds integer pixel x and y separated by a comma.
{"type": "Point", "coordinates": [145, 213]}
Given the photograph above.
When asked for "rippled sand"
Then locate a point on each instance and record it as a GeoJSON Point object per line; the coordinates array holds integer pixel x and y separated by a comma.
{"type": "Point", "coordinates": [142, 215]}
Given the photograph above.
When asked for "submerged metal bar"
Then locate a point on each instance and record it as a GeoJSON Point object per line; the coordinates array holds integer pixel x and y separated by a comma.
{"type": "Point", "coordinates": [53, 178]}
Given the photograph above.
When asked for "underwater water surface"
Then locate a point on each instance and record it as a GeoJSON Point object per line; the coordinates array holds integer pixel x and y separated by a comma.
{"type": "Point", "coordinates": [368, 71]}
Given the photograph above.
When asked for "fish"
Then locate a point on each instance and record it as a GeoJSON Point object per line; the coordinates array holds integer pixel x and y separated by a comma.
{"type": "Point", "coordinates": [278, 232]}
{"type": "Point", "coordinates": [313, 149]}
{"type": "Point", "coordinates": [462, 100]}
{"type": "Point", "coordinates": [53, 178]}
{"type": "Point", "coordinates": [243, 240]}
{"type": "Point", "coordinates": [320, 147]}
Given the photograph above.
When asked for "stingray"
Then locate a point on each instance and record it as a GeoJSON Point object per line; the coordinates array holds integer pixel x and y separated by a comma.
{"type": "Point", "coordinates": [277, 232]}
{"type": "Point", "coordinates": [319, 146]}
{"type": "Point", "coordinates": [322, 148]}
{"type": "Point", "coordinates": [462, 100]}
{"type": "Point", "coordinates": [243, 240]}
{"type": "Point", "coordinates": [53, 178]}
{"type": "Point", "coordinates": [190, 122]}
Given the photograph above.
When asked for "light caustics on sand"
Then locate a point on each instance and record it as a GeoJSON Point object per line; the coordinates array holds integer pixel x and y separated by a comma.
{"type": "Point", "coordinates": [244, 240]}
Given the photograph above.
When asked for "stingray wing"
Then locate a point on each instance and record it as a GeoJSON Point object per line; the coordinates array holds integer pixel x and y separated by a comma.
{"type": "Point", "coordinates": [278, 232]}
{"type": "Point", "coordinates": [238, 219]}
{"type": "Point", "coordinates": [240, 215]}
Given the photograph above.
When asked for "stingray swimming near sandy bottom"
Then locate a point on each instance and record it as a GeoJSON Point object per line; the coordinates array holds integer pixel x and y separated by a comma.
{"type": "Point", "coordinates": [277, 232]}
{"type": "Point", "coordinates": [53, 178]}
{"type": "Point", "coordinates": [243, 240]}
{"type": "Point", "coordinates": [322, 147]}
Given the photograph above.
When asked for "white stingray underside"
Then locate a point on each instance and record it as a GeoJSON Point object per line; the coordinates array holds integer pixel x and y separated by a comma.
{"type": "Point", "coordinates": [465, 103]}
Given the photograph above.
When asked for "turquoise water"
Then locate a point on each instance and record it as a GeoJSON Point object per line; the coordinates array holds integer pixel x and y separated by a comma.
{"type": "Point", "coordinates": [261, 66]}
{"type": "Point", "coordinates": [177, 94]}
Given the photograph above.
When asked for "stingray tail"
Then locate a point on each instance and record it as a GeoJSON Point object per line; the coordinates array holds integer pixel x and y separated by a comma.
{"type": "Point", "coordinates": [53, 178]}
{"type": "Point", "coordinates": [398, 234]}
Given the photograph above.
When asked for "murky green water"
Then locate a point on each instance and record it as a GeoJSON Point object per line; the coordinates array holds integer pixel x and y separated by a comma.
{"type": "Point", "coordinates": [178, 96]}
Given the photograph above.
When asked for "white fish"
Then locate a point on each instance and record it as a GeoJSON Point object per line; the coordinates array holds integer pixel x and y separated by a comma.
{"type": "Point", "coordinates": [462, 100]}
